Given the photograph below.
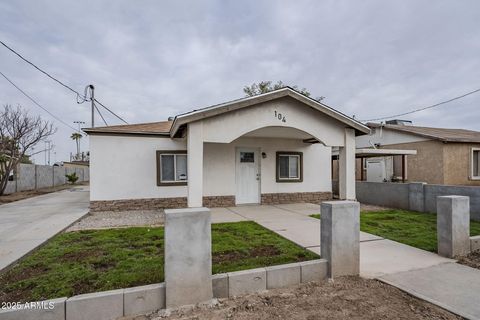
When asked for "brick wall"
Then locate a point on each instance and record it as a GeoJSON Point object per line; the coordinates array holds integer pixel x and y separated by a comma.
{"type": "Point", "coordinates": [209, 202]}
{"type": "Point", "coordinates": [282, 198]}
{"type": "Point", "coordinates": [138, 204]}
{"type": "Point", "coordinates": [219, 201]}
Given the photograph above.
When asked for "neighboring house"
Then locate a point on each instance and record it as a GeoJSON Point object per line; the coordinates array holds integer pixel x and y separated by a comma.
{"type": "Point", "coordinates": [75, 164]}
{"type": "Point", "coordinates": [444, 156]}
{"type": "Point", "coordinates": [271, 148]}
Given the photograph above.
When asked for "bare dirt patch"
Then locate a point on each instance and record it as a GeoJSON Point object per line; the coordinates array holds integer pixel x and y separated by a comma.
{"type": "Point", "coordinates": [263, 251]}
{"type": "Point", "coordinates": [372, 208]}
{"type": "Point", "coordinates": [345, 298]}
{"type": "Point", "coordinates": [471, 260]}
{"type": "Point", "coordinates": [119, 219]}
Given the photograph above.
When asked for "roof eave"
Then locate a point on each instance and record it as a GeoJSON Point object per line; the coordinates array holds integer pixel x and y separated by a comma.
{"type": "Point", "coordinates": [245, 102]}
{"type": "Point", "coordinates": [112, 132]}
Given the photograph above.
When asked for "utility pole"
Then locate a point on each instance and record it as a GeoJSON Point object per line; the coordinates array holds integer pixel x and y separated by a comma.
{"type": "Point", "coordinates": [47, 149]}
{"type": "Point", "coordinates": [92, 99]}
{"type": "Point", "coordinates": [79, 123]}
{"type": "Point", "coordinates": [78, 140]}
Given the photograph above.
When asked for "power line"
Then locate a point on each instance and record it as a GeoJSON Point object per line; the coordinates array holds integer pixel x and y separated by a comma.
{"type": "Point", "coordinates": [80, 98]}
{"type": "Point", "coordinates": [45, 73]}
{"type": "Point", "coordinates": [98, 110]}
{"type": "Point", "coordinates": [109, 110]}
{"type": "Point", "coordinates": [37, 104]}
{"type": "Point", "coordinates": [425, 108]}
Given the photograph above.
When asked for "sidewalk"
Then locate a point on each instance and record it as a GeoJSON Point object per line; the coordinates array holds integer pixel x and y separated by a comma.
{"type": "Point", "coordinates": [452, 286]}
{"type": "Point", "coordinates": [423, 274]}
{"type": "Point", "coordinates": [28, 223]}
{"type": "Point", "coordinates": [378, 256]}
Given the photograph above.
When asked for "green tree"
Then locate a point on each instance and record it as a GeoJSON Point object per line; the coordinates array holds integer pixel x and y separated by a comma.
{"type": "Point", "coordinates": [77, 136]}
{"type": "Point", "coordinates": [267, 86]}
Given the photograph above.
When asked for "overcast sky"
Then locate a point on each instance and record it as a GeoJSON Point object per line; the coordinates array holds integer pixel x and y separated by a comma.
{"type": "Point", "coordinates": [152, 59]}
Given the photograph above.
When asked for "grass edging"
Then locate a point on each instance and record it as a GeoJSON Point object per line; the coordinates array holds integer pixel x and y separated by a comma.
{"type": "Point", "coordinates": [416, 229]}
{"type": "Point", "coordinates": [97, 260]}
{"type": "Point", "coordinates": [150, 298]}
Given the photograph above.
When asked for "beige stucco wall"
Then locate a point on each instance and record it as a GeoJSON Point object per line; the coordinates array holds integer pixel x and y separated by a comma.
{"type": "Point", "coordinates": [457, 158]}
{"type": "Point", "coordinates": [428, 164]}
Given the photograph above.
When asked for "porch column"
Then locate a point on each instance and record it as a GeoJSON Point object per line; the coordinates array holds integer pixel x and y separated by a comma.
{"type": "Point", "coordinates": [346, 162]}
{"type": "Point", "coordinates": [195, 164]}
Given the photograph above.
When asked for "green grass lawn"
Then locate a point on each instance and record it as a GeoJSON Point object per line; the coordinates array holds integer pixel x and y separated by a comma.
{"type": "Point", "coordinates": [87, 261]}
{"type": "Point", "coordinates": [413, 228]}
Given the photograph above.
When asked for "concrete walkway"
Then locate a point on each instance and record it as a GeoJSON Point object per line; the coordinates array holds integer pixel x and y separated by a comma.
{"type": "Point", "coordinates": [28, 223]}
{"type": "Point", "coordinates": [378, 256]}
{"type": "Point", "coordinates": [426, 275]}
{"type": "Point", "coordinates": [452, 286]}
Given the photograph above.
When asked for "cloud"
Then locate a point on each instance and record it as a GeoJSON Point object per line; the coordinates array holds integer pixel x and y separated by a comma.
{"type": "Point", "coordinates": [152, 59]}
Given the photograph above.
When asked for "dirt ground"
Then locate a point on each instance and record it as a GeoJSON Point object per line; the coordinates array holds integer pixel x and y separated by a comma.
{"type": "Point", "coordinates": [343, 298]}
{"type": "Point", "coordinates": [371, 207]}
{"type": "Point", "coordinates": [33, 193]}
{"type": "Point", "coordinates": [472, 260]}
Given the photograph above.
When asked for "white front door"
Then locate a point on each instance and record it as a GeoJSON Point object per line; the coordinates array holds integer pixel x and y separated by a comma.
{"type": "Point", "coordinates": [247, 176]}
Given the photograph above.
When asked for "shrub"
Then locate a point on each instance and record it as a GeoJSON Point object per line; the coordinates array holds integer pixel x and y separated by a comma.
{"type": "Point", "coordinates": [72, 178]}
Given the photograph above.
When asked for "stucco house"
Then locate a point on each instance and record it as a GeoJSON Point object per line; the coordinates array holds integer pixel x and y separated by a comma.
{"type": "Point", "coordinates": [443, 156]}
{"type": "Point", "coordinates": [270, 148]}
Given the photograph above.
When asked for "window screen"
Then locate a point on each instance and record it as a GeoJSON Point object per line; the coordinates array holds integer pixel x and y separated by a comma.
{"type": "Point", "coordinates": [172, 167]}
{"type": "Point", "coordinates": [476, 163]}
{"type": "Point", "coordinates": [289, 167]}
{"type": "Point", "coordinates": [181, 167]}
{"type": "Point", "coordinates": [168, 167]}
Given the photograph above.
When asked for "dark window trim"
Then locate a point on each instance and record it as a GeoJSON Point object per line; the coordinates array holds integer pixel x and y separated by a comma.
{"type": "Point", "coordinates": [472, 165]}
{"type": "Point", "coordinates": [277, 166]}
{"type": "Point", "coordinates": [159, 173]}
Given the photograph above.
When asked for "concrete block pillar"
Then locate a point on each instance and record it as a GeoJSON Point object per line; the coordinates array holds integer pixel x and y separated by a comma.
{"type": "Point", "coordinates": [188, 256]}
{"type": "Point", "coordinates": [340, 237]}
{"type": "Point", "coordinates": [346, 162]}
{"type": "Point", "coordinates": [453, 225]}
{"type": "Point", "coordinates": [195, 164]}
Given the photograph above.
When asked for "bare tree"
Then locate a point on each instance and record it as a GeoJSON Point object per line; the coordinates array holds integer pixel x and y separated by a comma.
{"type": "Point", "coordinates": [19, 133]}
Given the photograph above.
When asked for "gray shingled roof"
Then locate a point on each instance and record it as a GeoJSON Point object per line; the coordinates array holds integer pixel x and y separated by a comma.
{"type": "Point", "coordinates": [442, 134]}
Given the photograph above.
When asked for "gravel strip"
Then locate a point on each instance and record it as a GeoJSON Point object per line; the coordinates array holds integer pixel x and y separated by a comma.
{"type": "Point", "coordinates": [115, 219]}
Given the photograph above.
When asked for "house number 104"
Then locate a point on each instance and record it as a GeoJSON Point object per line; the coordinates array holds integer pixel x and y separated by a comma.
{"type": "Point", "coordinates": [280, 117]}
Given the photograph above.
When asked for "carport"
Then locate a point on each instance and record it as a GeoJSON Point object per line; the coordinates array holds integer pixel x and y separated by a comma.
{"type": "Point", "coordinates": [364, 153]}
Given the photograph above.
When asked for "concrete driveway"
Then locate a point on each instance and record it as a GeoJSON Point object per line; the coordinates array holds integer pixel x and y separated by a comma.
{"type": "Point", "coordinates": [28, 223]}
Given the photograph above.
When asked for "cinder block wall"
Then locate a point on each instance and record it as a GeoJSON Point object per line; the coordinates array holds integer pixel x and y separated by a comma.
{"type": "Point", "coordinates": [414, 196]}
{"type": "Point", "coordinates": [31, 177]}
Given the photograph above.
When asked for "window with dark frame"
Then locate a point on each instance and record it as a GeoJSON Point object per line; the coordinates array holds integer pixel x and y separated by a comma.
{"type": "Point", "coordinates": [171, 168]}
{"type": "Point", "coordinates": [476, 163]}
{"type": "Point", "coordinates": [289, 166]}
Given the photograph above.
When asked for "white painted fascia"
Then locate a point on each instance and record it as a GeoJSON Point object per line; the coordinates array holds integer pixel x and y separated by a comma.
{"type": "Point", "coordinates": [248, 101]}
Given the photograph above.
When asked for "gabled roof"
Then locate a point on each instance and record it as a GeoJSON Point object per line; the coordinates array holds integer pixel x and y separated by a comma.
{"type": "Point", "coordinates": [442, 134]}
{"type": "Point", "coordinates": [166, 128]}
{"type": "Point", "coordinates": [151, 128]}
{"type": "Point", "coordinates": [214, 110]}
